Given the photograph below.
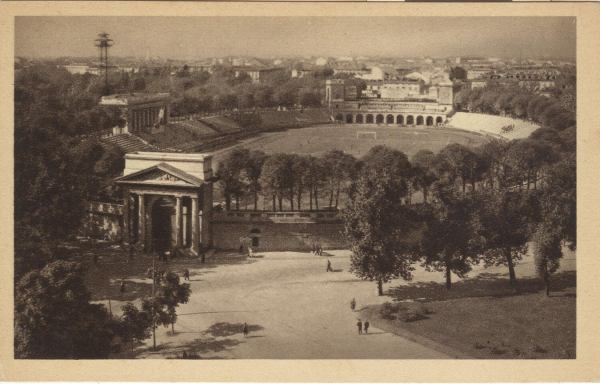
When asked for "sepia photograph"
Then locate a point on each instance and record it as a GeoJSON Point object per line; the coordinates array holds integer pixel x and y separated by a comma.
{"type": "Point", "coordinates": [295, 187]}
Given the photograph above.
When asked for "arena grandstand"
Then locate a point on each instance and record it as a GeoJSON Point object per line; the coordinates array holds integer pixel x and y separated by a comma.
{"type": "Point", "coordinates": [500, 126]}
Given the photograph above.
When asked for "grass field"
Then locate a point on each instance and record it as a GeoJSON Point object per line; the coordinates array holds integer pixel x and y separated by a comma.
{"type": "Point", "coordinates": [482, 317]}
{"type": "Point", "coordinates": [322, 138]}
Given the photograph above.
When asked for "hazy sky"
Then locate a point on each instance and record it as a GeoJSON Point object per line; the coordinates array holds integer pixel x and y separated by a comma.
{"type": "Point", "coordinates": [191, 37]}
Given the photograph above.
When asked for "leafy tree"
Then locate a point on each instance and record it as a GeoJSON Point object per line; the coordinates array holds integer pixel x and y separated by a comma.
{"type": "Point", "coordinates": [547, 253]}
{"type": "Point", "coordinates": [315, 179]}
{"type": "Point", "coordinates": [229, 174]}
{"type": "Point", "coordinates": [423, 175]}
{"type": "Point", "coordinates": [300, 172]}
{"type": "Point", "coordinates": [54, 318]}
{"type": "Point", "coordinates": [378, 227]}
{"type": "Point", "coordinates": [310, 99]}
{"type": "Point", "coordinates": [494, 155]}
{"type": "Point", "coordinates": [455, 161]}
{"type": "Point", "coordinates": [341, 168]}
{"type": "Point", "coordinates": [171, 293]}
{"type": "Point", "coordinates": [139, 84]}
{"type": "Point", "coordinates": [458, 73]}
{"type": "Point", "coordinates": [501, 229]}
{"type": "Point", "coordinates": [446, 243]}
{"type": "Point", "coordinates": [276, 178]}
{"type": "Point", "coordinates": [135, 324]}
{"type": "Point", "coordinates": [380, 157]}
{"type": "Point", "coordinates": [526, 159]}
{"type": "Point", "coordinates": [252, 170]}
{"type": "Point", "coordinates": [558, 201]}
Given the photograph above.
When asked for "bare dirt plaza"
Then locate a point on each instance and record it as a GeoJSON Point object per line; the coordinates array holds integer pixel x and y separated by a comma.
{"type": "Point", "coordinates": [293, 308]}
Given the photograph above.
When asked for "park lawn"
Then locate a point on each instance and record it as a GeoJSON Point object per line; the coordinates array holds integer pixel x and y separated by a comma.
{"type": "Point", "coordinates": [504, 326]}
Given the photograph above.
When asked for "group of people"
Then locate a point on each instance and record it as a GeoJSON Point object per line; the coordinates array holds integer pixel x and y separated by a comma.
{"type": "Point", "coordinates": [317, 249]}
{"type": "Point", "coordinates": [362, 326]}
{"type": "Point", "coordinates": [250, 251]}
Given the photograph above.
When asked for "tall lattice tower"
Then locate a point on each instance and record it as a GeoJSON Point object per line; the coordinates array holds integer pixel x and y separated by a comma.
{"type": "Point", "coordinates": [103, 42]}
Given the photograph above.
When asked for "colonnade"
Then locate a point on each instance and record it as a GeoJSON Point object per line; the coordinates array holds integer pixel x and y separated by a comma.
{"type": "Point", "coordinates": [137, 219]}
{"type": "Point", "coordinates": [146, 117]}
{"type": "Point", "coordinates": [399, 119]}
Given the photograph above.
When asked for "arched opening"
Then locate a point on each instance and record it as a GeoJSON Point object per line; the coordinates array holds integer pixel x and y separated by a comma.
{"type": "Point", "coordinates": [255, 236]}
{"type": "Point", "coordinates": [359, 118]}
{"type": "Point", "coordinates": [369, 119]}
{"type": "Point", "coordinates": [400, 119]}
{"type": "Point", "coordinates": [349, 118]}
{"type": "Point", "coordinates": [439, 120]}
{"type": "Point", "coordinates": [379, 119]}
{"type": "Point", "coordinates": [429, 120]}
{"type": "Point", "coordinates": [419, 120]}
{"type": "Point", "coordinates": [339, 117]}
{"type": "Point", "coordinates": [163, 210]}
{"type": "Point", "coordinates": [389, 119]}
{"type": "Point", "coordinates": [410, 120]}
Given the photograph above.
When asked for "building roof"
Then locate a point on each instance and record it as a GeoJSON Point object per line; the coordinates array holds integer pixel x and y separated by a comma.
{"type": "Point", "coordinates": [133, 98]}
{"type": "Point", "coordinates": [164, 167]}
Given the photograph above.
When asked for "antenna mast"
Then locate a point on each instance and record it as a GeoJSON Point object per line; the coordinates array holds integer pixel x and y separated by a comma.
{"type": "Point", "coordinates": [103, 42]}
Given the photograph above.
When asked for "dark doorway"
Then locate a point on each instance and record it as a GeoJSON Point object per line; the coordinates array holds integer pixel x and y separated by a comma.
{"type": "Point", "coordinates": [254, 234]}
{"type": "Point", "coordinates": [162, 211]}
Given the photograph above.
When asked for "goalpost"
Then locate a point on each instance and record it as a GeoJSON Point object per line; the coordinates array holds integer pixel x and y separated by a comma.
{"type": "Point", "coordinates": [366, 135]}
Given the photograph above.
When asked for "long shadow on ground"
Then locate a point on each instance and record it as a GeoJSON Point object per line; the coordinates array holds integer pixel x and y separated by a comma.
{"type": "Point", "coordinates": [223, 329]}
{"type": "Point", "coordinates": [113, 265]}
{"type": "Point", "coordinates": [483, 285]}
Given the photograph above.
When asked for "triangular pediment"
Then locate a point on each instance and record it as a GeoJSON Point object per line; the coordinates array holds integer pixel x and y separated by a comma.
{"type": "Point", "coordinates": [158, 175]}
{"type": "Point", "coordinates": [161, 174]}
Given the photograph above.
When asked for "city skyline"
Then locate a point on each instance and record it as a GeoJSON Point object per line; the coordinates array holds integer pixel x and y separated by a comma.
{"type": "Point", "coordinates": [203, 37]}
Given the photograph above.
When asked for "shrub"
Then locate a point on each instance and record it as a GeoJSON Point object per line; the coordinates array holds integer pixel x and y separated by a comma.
{"type": "Point", "coordinates": [388, 310]}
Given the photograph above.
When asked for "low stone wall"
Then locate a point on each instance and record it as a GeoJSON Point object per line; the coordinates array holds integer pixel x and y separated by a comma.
{"type": "Point", "coordinates": [268, 231]}
{"type": "Point", "coordinates": [278, 231]}
{"type": "Point", "coordinates": [104, 221]}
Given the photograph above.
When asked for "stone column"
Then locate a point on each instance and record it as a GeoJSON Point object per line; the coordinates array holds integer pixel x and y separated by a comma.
{"type": "Point", "coordinates": [178, 231]}
{"type": "Point", "coordinates": [195, 224]}
{"type": "Point", "coordinates": [185, 213]}
{"type": "Point", "coordinates": [141, 221]}
{"type": "Point", "coordinates": [206, 231]}
{"type": "Point", "coordinates": [126, 225]}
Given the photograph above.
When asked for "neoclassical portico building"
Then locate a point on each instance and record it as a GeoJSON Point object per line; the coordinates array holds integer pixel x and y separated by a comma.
{"type": "Point", "coordinates": [167, 201]}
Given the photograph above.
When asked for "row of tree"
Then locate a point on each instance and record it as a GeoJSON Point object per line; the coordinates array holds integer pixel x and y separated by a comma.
{"type": "Point", "coordinates": [517, 102]}
{"type": "Point", "coordinates": [288, 177]}
{"type": "Point", "coordinates": [479, 206]}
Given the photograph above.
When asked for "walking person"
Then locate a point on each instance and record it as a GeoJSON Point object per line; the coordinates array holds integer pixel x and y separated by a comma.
{"type": "Point", "coordinates": [353, 304]}
{"type": "Point", "coordinates": [359, 325]}
{"type": "Point", "coordinates": [186, 274]}
{"type": "Point", "coordinates": [245, 329]}
{"type": "Point", "coordinates": [329, 269]}
{"type": "Point", "coordinates": [122, 288]}
{"type": "Point", "coordinates": [367, 326]}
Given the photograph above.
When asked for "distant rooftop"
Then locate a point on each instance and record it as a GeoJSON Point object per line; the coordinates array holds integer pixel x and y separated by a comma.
{"type": "Point", "coordinates": [132, 98]}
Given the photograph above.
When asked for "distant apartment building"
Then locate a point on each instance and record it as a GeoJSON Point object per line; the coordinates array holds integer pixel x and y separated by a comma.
{"type": "Point", "coordinates": [256, 74]}
{"type": "Point", "coordinates": [300, 73]}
